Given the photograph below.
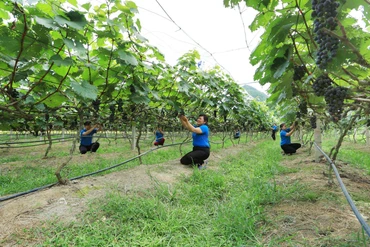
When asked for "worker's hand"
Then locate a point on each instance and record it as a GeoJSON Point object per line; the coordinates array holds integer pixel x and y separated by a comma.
{"type": "Point", "coordinates": [182, 117]}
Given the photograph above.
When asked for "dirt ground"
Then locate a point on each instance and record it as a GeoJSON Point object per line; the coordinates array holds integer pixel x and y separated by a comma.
{"type": "Point", "coordinates": [320, 220]}
{"type": "Point", "coordinates": [310, 222]}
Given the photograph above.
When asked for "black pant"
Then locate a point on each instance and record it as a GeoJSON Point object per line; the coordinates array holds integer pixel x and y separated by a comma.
{"type": "Point", "coordinates": [196, 157]}
{"type": "Point", "coordinates": [93, 147]}
{"type": "Point", "coordinates": [290, 148]}
{"type": "Point", "coordinates": [273, 135]}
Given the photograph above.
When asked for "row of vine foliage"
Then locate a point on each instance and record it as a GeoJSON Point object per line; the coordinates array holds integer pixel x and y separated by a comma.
{"type": "Point", "coordinates": [316, 55]}
{"type": "Point", "coordinates": [62, 63]}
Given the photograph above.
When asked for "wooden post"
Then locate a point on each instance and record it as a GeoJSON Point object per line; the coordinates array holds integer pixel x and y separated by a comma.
{"type": "Point", "coordinates": [63, 133]}
{"type": "Point", "coordinates": [367, 133]}
{"type": "Point", "coordinates": [317, 139]}
{"type": "Point", "coordinates": [133, 143]}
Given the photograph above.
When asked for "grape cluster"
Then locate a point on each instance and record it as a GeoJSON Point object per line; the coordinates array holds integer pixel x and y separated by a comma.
{"type": "Point", "coordinates": [112, 109]}
{"type": "Point", "coordinates": [13, 93]}
{"type": "Point", "coordinates": [96, 104]}
{"type": "Point", "coordinates": [303, 107]}
{"type": "Point", "coordinates": [299, 72]}
{"type": "Point", "coordinates": [334, 98]}
{"type": "Point", "coordinates": [368, 123]}
{"type": "Point", "coordinates": [294, 90]}
{"type": "Point", "coordinates": [321, 84]}
{"type": "Point", "coordinates": [298, 114]}
{"type": "Point", "coordinates": [313, 122]}
{"type": "Point", "coordinates": [325, 12]}
{"type": "Point", "coordinates": [120, 104]}
{"type": "Point", "coordinates": [47, 117]}
{"type": "Point", "coordinates": [74, 124]}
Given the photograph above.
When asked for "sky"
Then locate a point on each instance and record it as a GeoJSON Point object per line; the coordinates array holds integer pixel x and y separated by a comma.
{"type": "Point", "coordinates": [221, 35]}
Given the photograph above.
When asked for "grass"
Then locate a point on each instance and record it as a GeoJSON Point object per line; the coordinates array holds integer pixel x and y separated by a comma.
{"type": "Point", "coordinates": [209, 208]}
{"type": "Point", "coordinates": [24, 169]}
{"type": "Point", "coordinates": [354, 153]}
{"type": "Point", "coordinates": [222, 207]}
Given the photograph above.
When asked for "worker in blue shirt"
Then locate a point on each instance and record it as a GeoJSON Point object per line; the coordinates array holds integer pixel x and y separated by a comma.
{"type": "Point", "coordinates": [285, 143]}
{"type": "Point", "coordinates": [86, 136]}
{"type": "Point", "coordinates": [159, 137]}
{"type": "Point", "coordinates": [237, 134]}
{"type": "Point", "coordinates": [201, 147]}
{"type": "Point", "coordinates": [274, 130]}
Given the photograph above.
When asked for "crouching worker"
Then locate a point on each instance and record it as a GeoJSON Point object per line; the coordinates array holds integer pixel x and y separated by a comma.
{"type": "Point", "coordinates": [285, 133]}
{"type": "Point", "coordinates": [159, 137]}
{"type": "Point", "coordinates": [86, 136]}
{"type": "Point", "coordinates": [201, 147]}
{"type": "Point", "coordinates": [237, 134]}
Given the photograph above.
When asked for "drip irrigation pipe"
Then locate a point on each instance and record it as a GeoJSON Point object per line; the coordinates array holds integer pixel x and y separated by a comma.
{"type": "Point", "coordinates": [89, 174]}
{"type": "Point", "coordinates": [346, 194]}
{"type": "Point", "coordinates": [56, 139]}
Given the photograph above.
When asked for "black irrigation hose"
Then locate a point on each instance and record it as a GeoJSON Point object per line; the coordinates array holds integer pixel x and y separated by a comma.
{"type": "Point", "coordinates": [26, 146]}
{"type": "Point", "coordinates": [85, 175]}
{"type": "Point", "coordinates": [56, 139]}
{"type": "Point", "coordinates": [2, 199]}
{"type": "Point", "coordinates": [346, 194]}
{"type": "Point", "coordinates": [47, 142]}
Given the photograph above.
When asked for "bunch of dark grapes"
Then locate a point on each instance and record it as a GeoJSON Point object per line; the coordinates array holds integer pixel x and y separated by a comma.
{"type": "Point", "coordinates": [298, 114]}
{"type": "Point", "coordinates": [96, 104]}
{"type": "Point", "coordinates": [320, 85]}
{"type": "Point", "coordinates": [325, 12]}
{"type": "Point", "coordinates": [74, 124]}
{"type": "Point", "coordinates": [294, 90]}
{"type": "Point", "coordinates": [334, 98]}
{"type": "Point", "coordinates": [299, 72]}
{"type": "Point", "coordinates": [13, 93]}
{"type": "Point", "coordinates": [303, 107]}
{"type": "Point", "coordinates": [120, 104]}
{"type": "Point", "coordinates": [368, 123]}
{"type": "Point", "coordinates": [47, 117]}
{"type": "Point", "coordinates": [313, 122]}
{"type": "Point", "coordinates": [112, 109]}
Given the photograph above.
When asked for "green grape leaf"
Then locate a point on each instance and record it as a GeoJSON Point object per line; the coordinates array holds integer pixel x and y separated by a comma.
{"type": "Point", "coordinates": [84, 89]}
{"type": "Point", "coordinates": [128, 58]}
{"type": "Point", "coordinates": [55, 100]}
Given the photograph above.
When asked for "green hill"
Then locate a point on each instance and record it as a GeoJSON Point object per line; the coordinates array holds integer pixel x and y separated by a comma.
{"type": "Point", "coordinates": [255, 93]}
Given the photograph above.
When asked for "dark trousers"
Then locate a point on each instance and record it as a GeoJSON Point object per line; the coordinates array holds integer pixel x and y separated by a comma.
{"type": "Point", "coordinates": [290, 148]}
{"type": "Point", "coordinates": [159, 142]}
{"type": "Point", "coordinates": [273, 135]}
{"type": "Point", "coordinates": [93, 147]}
{"type": "Point", "coordinates": [196, 157]}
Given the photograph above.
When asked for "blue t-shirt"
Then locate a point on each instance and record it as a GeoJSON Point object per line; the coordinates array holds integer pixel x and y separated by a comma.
{"type": "Point", "coordinates": [274, 128]}
{"type": "Point", "coordinates": [87, 139]}
{"type": "Point", "coordinates": [158, 135]}
{"type": "Point", "coordinates": [284, 139]}
{"type": "Point", "coordinates": [201, 140]}
{"type": "Point", "coordinates": [237, 134]}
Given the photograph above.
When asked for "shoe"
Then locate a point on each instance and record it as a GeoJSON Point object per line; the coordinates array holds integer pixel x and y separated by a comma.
{"type": "Point", "coordinates": [202, 167]}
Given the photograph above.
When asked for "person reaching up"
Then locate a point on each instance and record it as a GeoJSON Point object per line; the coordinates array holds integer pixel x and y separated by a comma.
{"type": "Point", "coordinates": [159, 137]}
{"type": "Point", "coordinates": [201, 147]}
{"type": "Point", "coordinates": [285, 143]}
